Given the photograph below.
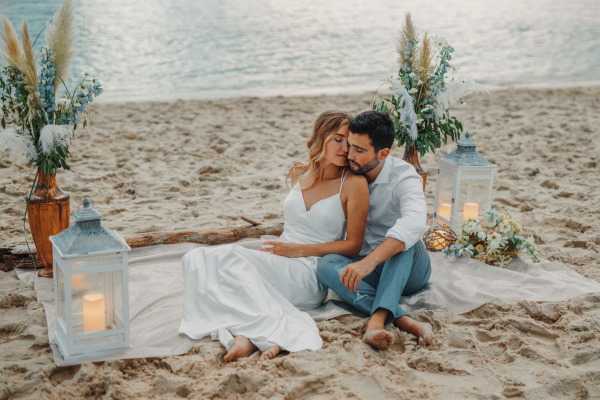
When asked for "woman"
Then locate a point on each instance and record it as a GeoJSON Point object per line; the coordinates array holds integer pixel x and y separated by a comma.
{"type": "Point", "coordinates": [252, 299]}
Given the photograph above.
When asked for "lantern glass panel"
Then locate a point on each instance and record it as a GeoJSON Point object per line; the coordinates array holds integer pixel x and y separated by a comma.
{"type": "Point", "coordinates": [445, 192]}
{"type": "Point", "coordinates": [97, 303]}
{"type": "Point", "coordinates": [60, 292]}
{"type": "Point", "coordinates": [445, 195]}
{"type": "Point", "coordinates": [474, 195]}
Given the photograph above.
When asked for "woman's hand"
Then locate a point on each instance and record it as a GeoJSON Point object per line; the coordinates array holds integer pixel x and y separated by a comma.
{"type": "Point", "coordinates": [283, 248]}
{"type": "Point", "coordinates": [355, 272]}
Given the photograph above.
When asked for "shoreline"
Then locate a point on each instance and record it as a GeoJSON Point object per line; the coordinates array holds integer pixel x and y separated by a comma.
{"type": "Point", "coordinates": [333, 92]}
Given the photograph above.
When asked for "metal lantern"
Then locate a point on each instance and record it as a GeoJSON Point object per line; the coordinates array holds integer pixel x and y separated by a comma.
{"type": "Point", "coordinates": [464, 186]}
{"type": "Point", "coordinates": [91, 288]}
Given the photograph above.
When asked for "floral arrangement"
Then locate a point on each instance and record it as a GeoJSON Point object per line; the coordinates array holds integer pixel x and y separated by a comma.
{"type": "Point", "coordinates": [39, 113]}
{"type": "Point", "coordinates": [419, 101]}
{"type": "Point", "coordinates": [495, 240]}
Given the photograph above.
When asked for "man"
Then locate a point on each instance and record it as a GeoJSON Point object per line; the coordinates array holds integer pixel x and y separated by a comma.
{"type": "Point", "coordinates": [393, 260]}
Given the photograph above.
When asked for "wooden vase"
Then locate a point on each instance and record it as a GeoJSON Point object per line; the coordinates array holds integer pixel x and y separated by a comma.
{"type": "Point", "coordinates": [48, 210]}
{"type": "Point", "coordinates": [411, 155]}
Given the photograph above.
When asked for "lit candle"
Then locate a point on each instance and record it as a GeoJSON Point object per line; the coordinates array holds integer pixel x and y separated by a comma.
{"type": "Point", "coordinates": [94, 311]}
{"type": "Point", "coordinates": [78, 281]}
{"type": "Point", "coordinates": [470, 211]}
{"type": "Point", "coordinates": [445, 211]}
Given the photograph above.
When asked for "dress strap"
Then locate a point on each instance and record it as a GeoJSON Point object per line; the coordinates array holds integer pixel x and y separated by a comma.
{"type": "Point", "coordinates": [343, 179]}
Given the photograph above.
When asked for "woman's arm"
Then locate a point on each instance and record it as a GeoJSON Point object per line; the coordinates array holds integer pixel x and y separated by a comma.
{"type": "Point", "coordinates": [355, 198]}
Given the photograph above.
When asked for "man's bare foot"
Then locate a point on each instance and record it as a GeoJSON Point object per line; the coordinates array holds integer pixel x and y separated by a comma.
{"type": "Point", "coordinates": [375, 334]}
{"type": "Point", "coordinates": [422, 330]}
{"type": "Point", "coordinates": [242, 347]}
{"type": "Point", "coordinates": [270, 353]}
{"type": "Point", "coordinates": [379, 339]}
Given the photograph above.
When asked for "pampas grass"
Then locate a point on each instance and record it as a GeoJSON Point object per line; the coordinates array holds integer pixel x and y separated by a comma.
{"type": "Point", "coordinates": [29, 68]}
{"type": "Point", "coordinates": [19, 56]}
{"type": "Point", "coordinates": [417, 93]}
{"type": "Point", "coordinates": [60, 41]}
{"type": "Point", "coordinates": [408, 41]}
{"type": "Point", "coordinates": [13, 51]}
{"type": "Point", "coordinates": [424, 67]}
{"type": "Point", "coordinates": [42, 129]}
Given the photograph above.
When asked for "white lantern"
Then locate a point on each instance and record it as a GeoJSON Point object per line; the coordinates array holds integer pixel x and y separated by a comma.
{"type": "Point", "coordinates": [464, 186]}
{"type": "Point", "coordinates": [91, 288]}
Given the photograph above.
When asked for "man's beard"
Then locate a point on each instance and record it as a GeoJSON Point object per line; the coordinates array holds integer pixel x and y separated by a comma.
{"type": "Point", "coordinates": [365, 168]}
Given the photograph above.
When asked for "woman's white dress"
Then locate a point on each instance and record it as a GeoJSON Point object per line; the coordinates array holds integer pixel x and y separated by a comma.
{"type": "Point", "coordinates": [232, 290]}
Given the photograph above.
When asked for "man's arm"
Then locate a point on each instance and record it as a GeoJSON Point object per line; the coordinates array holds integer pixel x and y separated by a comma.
{"type": "Point", "coordinates": [409, 228]}
{"type": "Point", "coordinates": [406, 231]}
{"type": "Point", "coordinates": [386, 250]}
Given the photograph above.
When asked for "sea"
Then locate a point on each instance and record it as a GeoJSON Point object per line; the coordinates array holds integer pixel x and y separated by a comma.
{"type": "Point", "coordinates": [183, 49]}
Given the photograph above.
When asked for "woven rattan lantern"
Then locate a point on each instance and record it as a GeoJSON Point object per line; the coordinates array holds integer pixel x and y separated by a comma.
{"type": "Point", "coordinates": [438, 238]}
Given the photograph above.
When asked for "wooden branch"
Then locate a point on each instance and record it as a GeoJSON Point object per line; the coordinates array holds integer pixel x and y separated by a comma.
{"type": "Point", "coordinates": [250, 221]}
{"type": "Point", "coordinates": [19, 257]}
{"type": "Point", "coordinates": [207, 236]}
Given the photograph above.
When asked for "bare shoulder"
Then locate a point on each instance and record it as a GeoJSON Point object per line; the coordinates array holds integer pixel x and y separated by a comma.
{"type": "Point", "coordinates": [356, 184]}
{"type": "Point", "coordinates": [295, 172]}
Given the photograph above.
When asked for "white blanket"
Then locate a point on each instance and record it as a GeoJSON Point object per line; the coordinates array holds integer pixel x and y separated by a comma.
{"type": "Point", "coordinates": [156, 294]}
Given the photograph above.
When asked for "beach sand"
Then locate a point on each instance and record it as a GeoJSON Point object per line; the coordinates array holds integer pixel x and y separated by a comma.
{"type": "Point", "coordinates": [199, 164]}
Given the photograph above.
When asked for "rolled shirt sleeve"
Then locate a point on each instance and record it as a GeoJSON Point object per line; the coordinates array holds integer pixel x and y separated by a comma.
{"type": "Point", "coordinates": [409, 197]}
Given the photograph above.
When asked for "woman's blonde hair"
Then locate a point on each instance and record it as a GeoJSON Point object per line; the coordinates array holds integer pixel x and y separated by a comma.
{"type": "Point", "coordinates": [325, 126]}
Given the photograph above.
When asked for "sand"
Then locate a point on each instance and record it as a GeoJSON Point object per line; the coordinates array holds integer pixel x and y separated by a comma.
{"type": "Point", "coordinates": [199, 164]}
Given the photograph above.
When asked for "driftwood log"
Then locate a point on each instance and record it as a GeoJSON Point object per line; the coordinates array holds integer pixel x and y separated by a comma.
{"type": "Point", "coordinates": [207, 236]}
{"type": "Point", "coordinates": [18, 258]}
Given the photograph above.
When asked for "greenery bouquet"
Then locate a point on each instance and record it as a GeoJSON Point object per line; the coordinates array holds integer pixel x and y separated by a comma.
{"type": "Point", "coordinates": [39, 113]}
{"type": "Point", "coordinates": [495, 240]}
{"type": "Point", "coordinates": [419, 100]}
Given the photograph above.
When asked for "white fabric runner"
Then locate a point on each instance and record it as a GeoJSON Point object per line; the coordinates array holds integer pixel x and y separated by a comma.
{"type": "Point", "coordinates": [156, 294]}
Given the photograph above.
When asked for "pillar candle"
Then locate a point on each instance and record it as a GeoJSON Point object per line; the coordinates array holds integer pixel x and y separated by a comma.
{"type": "Point", "coordinates": [471, 211]}
{"type": "Point", "coordinates": [445, 211]}
{"type": "Point", "coordinates": [94, 312]}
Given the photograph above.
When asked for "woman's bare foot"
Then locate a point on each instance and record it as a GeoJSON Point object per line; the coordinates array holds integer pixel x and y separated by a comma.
{"type": "Point", "coordinates": [379, 339]}
{"type": "Point", "coordinates": [242, 347]}
{"type": "Point", "coordinates": [270, 353]}
{"type": "Point", "coordinates": [422, 330]}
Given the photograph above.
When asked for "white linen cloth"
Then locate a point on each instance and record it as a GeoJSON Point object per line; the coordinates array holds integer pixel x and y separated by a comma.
{"type": "Point", "coordinates": [397, 207]}
{"type": "Point", "coordinates": [156, 294]}
{"type": "Point", "coordinates": [233, 291]}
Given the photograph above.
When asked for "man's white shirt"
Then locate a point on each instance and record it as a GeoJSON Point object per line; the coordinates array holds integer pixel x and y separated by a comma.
{"type": "Point", "coordinates": [397, 207]}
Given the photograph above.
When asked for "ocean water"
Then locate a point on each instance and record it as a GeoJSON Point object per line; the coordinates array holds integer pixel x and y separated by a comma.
{"type": "Point", "coordinates": [166, 49]}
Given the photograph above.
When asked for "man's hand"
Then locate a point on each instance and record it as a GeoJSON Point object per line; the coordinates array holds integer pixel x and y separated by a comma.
{"type": "Point", "coordinates": [282, 248]}
{"type": "Point", "coordinates": [355, 272]}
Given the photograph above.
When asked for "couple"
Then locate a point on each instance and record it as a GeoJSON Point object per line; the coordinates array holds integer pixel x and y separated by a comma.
{"type": "Point", "coordinates": [352, 223]}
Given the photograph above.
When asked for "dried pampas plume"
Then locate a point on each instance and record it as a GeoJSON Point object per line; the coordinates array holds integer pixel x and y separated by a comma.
{"type": "Point", "coordinates": [60, 39]}
{"type": "Point", "coordinates": [425, 66]}
{"type": "Point", "coordinates": [21, 56]}
{"type": "Point", "coordinates": [29, 67]}
{"type": "Point", "coordinates": [12, 52]}
{"type": "Point", "coordinates": [407, 41]}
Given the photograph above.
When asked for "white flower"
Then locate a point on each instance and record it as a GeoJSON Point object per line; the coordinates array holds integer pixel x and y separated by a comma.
{"type": "Point", "coordinates": [453, 94]}
{"type": "Point", "coordinates": [63, 102]}
{"type": "Point", "coordinates": [53, 136]}
{"type": "Point", "coordinates": [19, 147]}
{"type": "Point", "coordinates": [471, 227]}
{"type": "Point", "coordinates": [407, 112]}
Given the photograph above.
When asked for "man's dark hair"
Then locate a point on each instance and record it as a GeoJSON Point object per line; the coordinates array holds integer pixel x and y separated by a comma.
{"type": "Point", "coordinates": [377, 125]}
